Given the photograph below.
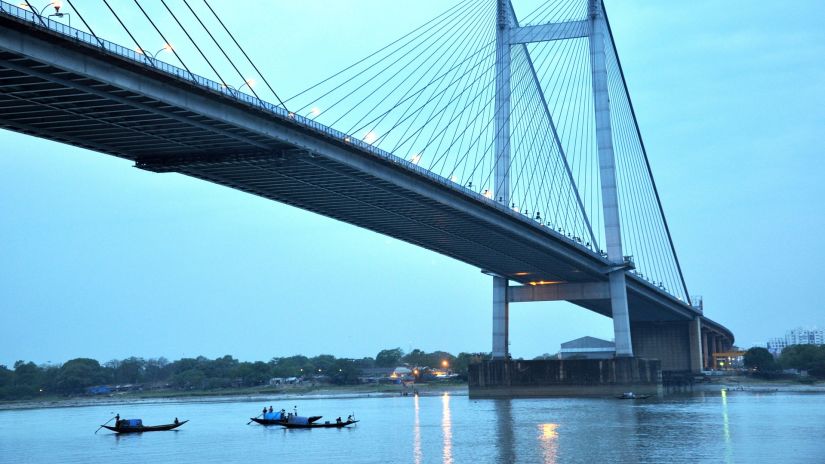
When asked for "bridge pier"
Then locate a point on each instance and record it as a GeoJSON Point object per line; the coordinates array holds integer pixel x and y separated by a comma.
{"type": "Point", "coordinates": [556, 377]}
{"type": "Point", "coordinates": [501, 318]}
{"type": "Point", "coordinates": [706, 360]}
{"type": "Point", "coordinates": [696, 353]}
{"type": "Point", "coordinates": [669, 342]}
{"type": "Point", "coordinates": [676, 344]}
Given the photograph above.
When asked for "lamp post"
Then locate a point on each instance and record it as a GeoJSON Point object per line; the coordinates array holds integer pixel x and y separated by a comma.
{"type": "Point", "coordinates": [247, 83]}
{"type": "Point", "coordinates": [57, 4]}
{"type": "Point", "coordinates": [154, 56]}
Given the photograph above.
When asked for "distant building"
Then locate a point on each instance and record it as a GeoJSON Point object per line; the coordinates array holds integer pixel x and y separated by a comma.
{"type": "Point", "coordinates": [776, 345]}
{"type": "Point", "coordinates": [802, 336]}
{"type": "Point", "coordinates": [729, 360]}
{"type": "Point", "coordinates": [798, 336]}
{"type": "Point", "coordinates": [587, 348]}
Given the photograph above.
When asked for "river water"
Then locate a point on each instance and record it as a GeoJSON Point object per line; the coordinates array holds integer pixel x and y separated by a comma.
{"type": "Point", "coordinates": [716, 427]}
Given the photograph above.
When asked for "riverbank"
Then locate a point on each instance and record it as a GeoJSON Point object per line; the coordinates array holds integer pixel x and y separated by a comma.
{"type": "Point", "coordinates": [756, 385]}
{"type": "Point", "coordinates": [238, 394]}
{"type": "Point", "coordinates": [269, 394]}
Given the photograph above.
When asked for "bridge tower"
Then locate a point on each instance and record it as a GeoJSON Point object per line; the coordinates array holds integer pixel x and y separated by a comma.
{"type": "Point", "coordinates": [501, 178]}
{"type": "Point", "coordinates": [508, 34]}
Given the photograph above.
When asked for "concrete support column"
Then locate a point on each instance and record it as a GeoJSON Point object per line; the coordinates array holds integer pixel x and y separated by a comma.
{"type": "Point", "coordinates": [621, 316]}
{"type": "Point", "coordinates": [501, 318]}
{"type": "Point", "coordinates": [705, 354]}
{"type": "Point", "coordinates": [714, 348]}
{"type": "Point", "coordinates": [695, 339]}
{"type": "Point", "coordinates": [607, 177]}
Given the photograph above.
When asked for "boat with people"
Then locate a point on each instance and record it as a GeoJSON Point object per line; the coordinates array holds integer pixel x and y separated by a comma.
{"type": "Point", "coordinates": [294, 421]}
{"type": "Point", "coordinates": [271, 417]}
{"type": "Point", "coordinates": [136, 426]}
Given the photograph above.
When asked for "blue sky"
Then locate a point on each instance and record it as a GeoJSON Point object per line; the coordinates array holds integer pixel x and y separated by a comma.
{"type": "Point", "coordinates": [100, 259]}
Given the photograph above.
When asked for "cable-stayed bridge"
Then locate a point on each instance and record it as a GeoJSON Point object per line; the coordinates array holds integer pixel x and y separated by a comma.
{"type": "Point", "coordinates": [509, 143]}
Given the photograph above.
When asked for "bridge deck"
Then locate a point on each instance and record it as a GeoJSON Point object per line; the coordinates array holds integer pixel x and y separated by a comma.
{"type": "Point", "coordinates": [59, 88]}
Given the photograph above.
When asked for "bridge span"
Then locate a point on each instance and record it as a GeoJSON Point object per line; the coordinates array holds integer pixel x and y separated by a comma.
{"type": "Point", "coordinates": [68, 86]}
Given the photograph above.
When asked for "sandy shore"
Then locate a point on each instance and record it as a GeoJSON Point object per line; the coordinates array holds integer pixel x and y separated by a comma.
{"type": "Point", "coordinates": [230, 397]}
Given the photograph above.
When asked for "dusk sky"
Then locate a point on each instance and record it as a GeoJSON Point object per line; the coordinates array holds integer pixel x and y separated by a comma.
{"type": "Point", "coordinates": [102, 260]}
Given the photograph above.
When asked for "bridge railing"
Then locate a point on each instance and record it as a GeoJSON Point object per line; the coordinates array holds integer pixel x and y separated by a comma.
{"type": "Point", "coordinates": [280, 112]}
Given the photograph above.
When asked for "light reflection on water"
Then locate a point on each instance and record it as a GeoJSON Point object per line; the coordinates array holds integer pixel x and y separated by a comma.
{"type": "Point", "coordinates": [547, 439]}
{"type": "Point", "coordinates": [711, 428]}
{"type": "Point", "coordinates": [447, 429]}
{"type": "Point", "coordinates": [726, 427]}
{"type": "Point", "coordinates": [417, 432]}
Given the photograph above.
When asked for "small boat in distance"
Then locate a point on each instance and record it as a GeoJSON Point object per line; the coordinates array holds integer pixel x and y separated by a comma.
{"type": "Point", "coordinates": [632, 396]}
{"type": "Point", "coordinates": [136, 426]}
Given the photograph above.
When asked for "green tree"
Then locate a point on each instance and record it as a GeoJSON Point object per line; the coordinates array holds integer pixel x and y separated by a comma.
{"type": "Point", "coordinates": [292, 366]}
{"type": "Point", "coordinates": [388, 358]}
{"type": "Point", "coordinates": [27, 374]}
{"type": "Point", "coordinates": [77, 374]}
{"type": "Point", "coordinates": [760, 359]}
{"type": "Point", "coordinates": [6, 382]}
{"type": "Point", "coordinates": [191, 378]}
{"type": "Point", "coordinates": [253, 374]}
{"type": "Point", "coordinates": [156, 370]}
{"type": "Point", "coordinates": [129, 370]}
{"type": "Point", "coordinates": [804, 357]}
{"type": "Point", "coordinates": [364, 363]}
{"type": "Point", "coordinates": [6, 376]}
{"type": "Point", "coordinates": [323, 362]}
{"type": "Point", "coordinates": [344, 372]}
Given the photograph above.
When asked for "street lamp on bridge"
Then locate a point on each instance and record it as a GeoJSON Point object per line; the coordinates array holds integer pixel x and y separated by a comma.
{"type": "Point", "coordinates": [247, 83]}
{"type": "Point", "coordinates": [166, 48]}
{"type": "Point", "coordinates": [57, 4]}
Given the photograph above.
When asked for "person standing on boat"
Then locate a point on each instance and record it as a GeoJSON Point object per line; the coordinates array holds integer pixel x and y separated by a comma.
{"type": "Point", "coordinates": [177, 421]}
{"type": "Point", "coordinates": [264, 413]}
{"type": "Point", "coordinates": [270, 408]}
{"type": "Point", "coordinates": [117, 420]}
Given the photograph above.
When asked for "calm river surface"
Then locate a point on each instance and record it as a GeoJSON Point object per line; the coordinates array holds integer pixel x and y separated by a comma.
{"type": "Point", "coordinates": [711, 427]}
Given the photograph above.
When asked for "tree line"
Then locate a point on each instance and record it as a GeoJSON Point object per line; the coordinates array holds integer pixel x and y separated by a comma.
{"type": "Point", "coordinates": [26, 380]}
{"type": "Point", "coordinates": [810, 358]}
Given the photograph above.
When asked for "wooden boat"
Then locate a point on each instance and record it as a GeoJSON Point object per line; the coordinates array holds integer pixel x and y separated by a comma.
{"type": "Point", "coordinates": [263, 421]}
{"type": "Point", "coordinates": [144, 428]}
{"type": "Point", "coordinates": [316, 425]}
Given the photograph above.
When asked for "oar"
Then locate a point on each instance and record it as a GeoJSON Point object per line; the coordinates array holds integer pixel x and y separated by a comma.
{"type": "Point", "coordinates": [110, 420]}
{"type": "Point", "coordinates": [259, 415]}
